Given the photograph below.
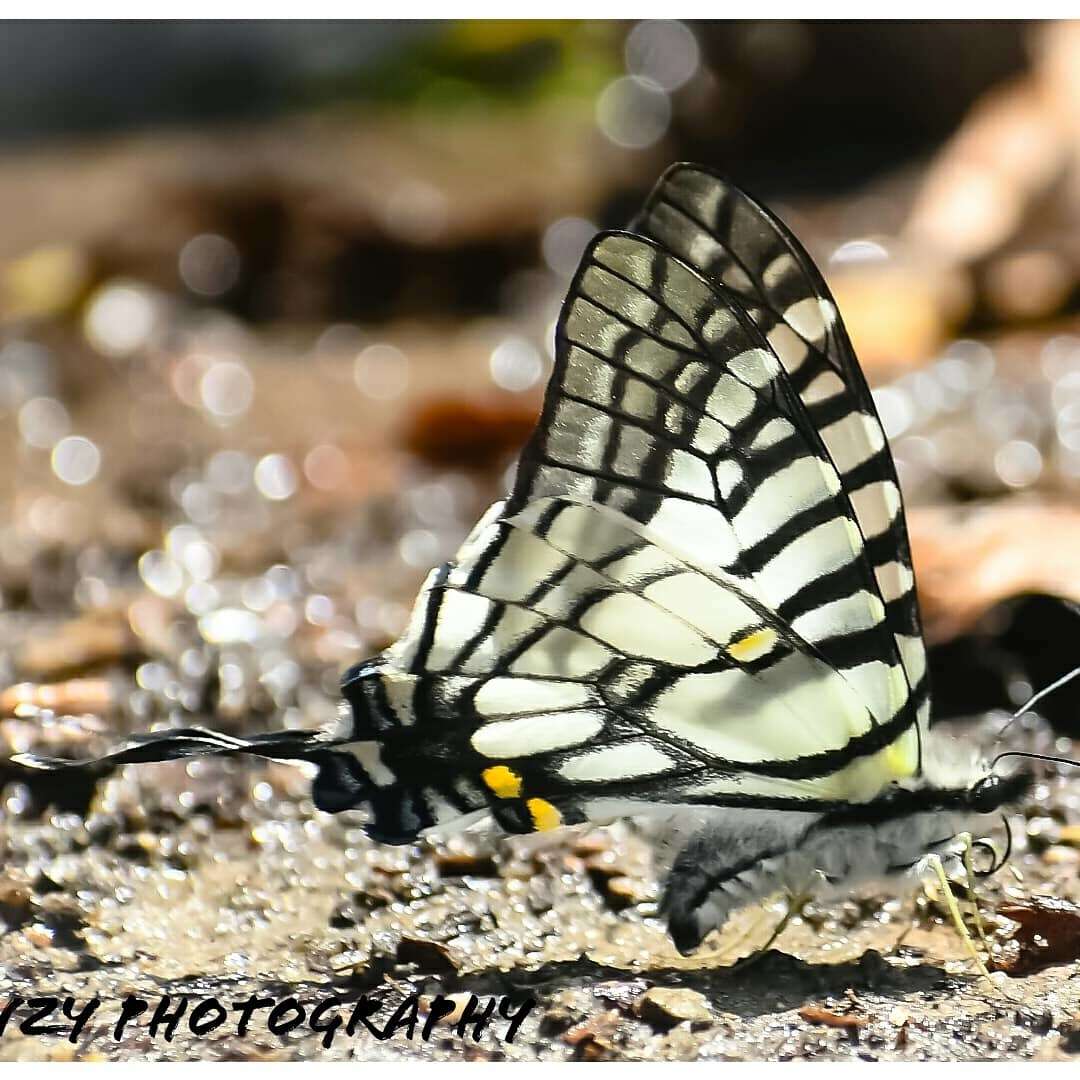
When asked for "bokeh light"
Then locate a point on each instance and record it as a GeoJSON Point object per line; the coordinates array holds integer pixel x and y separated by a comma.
{"type": "Point", "coordinates": [275, 477]}
{"type": "Point", "coordinates": [633, 112]}
{"type": "Point", "coordinates": [381, 371]}
{"type": "Point", "coordinates": [209, 264]}
{"type": "Point", "coordinates": [76, 460]}
{"type": "Point", "coordinates": [121, 318]}
{"type": "Point", "coordinates": [516, 364]}
{"type": "Point", "coordinates": [664, 51]}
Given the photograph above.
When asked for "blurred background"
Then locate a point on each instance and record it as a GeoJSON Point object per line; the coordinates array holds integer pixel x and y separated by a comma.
{"type": "Point", "coordinates": [276, 310]}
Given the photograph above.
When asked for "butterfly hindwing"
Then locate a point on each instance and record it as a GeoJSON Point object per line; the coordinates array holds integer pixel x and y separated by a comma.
{"type": "Point", "coordinates": [635, 678]}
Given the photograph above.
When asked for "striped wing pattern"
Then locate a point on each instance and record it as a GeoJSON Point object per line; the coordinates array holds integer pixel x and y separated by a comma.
{"type": "Point", "coordinates": [744, 249]}
{"type": "Point", "coordinates": [674, 604]}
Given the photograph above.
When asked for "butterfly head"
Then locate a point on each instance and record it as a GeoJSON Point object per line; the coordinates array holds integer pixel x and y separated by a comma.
{"type": "Point", "coordinates": [993, 791]}
{"type": "Point", "coordinates": [961, 776]}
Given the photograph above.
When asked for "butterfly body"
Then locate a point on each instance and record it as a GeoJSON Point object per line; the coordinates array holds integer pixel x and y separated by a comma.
{"type": "Point", "coordinates": [738, 857]}
{"type": "Point", "coordinates": [696, 602]}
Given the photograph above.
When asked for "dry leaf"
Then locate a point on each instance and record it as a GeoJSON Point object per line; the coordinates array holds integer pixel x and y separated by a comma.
{"type": "Point", "coordinates": [1048, 933]}
{"type": "Point", "coordinates": [818, 1014]}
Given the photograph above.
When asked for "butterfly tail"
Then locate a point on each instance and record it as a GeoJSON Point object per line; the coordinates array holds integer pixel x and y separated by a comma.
{"type": "Point", "coordinates": [345, 780]}
{"type": "Point", "coordinates": [341, 782]}
{"type": "Point", "coordinates": [297, 744]}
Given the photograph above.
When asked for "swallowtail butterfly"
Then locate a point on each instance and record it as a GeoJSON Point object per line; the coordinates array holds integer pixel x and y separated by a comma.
{"type": "Point", "coordinates": [696, 601]}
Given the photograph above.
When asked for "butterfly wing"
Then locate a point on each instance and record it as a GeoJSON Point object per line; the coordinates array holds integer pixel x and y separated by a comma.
{"type": "Point", "coordinates": [741, 247]}
{"type": "Point", "coordinates": [675, 599]}
{"type": "Point", "coordinates": [668, 406]}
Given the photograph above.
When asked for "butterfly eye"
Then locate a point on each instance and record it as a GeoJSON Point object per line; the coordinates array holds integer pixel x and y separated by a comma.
{"type": "Point", "coordinates": [985, 795]}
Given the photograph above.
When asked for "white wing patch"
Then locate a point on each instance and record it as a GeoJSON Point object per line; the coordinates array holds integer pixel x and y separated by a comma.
{"type": "Point", "coordinates": [536, 734]}
{"type": "Point", "coordinates": [505, 697]}
{"type": "Point", "coordinates": [629, 759]}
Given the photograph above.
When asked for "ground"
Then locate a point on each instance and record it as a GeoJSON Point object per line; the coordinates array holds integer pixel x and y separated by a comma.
{"type": "Point", "coordinates": [162, 889]}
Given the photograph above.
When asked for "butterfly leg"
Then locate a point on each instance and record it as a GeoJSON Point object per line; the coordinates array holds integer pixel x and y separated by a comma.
{"type": "Point", "coordinates": [969, 883]}
{"type": "Point", "coordinates": [935, 864]}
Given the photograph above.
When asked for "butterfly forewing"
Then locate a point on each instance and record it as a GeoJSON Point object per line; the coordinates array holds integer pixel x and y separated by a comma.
{"type": "Point", "coordinates": [737, 243]}
{"type": "Point", "coordinates": [668, 406]}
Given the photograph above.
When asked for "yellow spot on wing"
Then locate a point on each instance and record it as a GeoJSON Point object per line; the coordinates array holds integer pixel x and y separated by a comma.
{"type": "Point", "coordinates": [504, 782]}
{"type": "Point", "coordinates": [544, 815]}
{"type": "Point", "coordinates": [753, 645]}
{"type": "Point", "coordinates": [902, 756]}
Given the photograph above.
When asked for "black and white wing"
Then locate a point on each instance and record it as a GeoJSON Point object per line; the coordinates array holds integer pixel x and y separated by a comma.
{"type": "Point", "coordinates": [697, 594]}
{"type": "Point", "coordinates": [675, 603]}
{"type": "Point", "coordinates": [740, 246]}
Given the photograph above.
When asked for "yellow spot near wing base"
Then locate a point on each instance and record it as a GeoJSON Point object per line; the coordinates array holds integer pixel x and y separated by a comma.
{"type": "Point", "coordinates": [902, 756]}
{"type": "Point", "coordinates": [504, 782]}
{"type": "Point", "coordinates": [753, 645]}
{"type": "Point", "coordinates": [544, 815]}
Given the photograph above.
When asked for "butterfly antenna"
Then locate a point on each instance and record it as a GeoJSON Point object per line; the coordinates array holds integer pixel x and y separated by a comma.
{"type": "Point", "coordinates": [1037, 697]}
{"type": "Point", "coordinates": [1035, 757]}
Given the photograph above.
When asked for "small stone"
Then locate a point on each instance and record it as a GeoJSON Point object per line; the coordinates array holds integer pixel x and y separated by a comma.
{"type": "Point", "coordinates": [465, 863]}
{"type": "Point", "coordinates": [1070, 1035]}
{"type": "Point", "coordinates": [39, 936]}
{"type": "Point", "coordinates": [15, 903]}
{"type": "Point", "coordinates": [1038, 1020]}
{"type": "Point", "coordinates": [593, 1040]}
{"type": "Point", "coordinates": [615, 879]}
{"type": "Point", "coordinates": [459, 1001]}
{"type": "Point", "coordinates": [664, 1008]}
{"type": "Point", "coordinates": [428, 956]}
{"type": "Point", "coordinates": [623, 994]}
{"type": "Point", "coordinates": [592, 843]}
{"type": "Point", "coordinates": [625, 891]}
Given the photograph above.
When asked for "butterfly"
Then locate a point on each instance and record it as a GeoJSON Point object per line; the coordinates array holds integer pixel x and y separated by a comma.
{"type": "Point", "coordinates": [696, 601]}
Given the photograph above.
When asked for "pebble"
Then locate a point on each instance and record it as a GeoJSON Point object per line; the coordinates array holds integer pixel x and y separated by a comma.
{"type": "Point", "coordinates": [76, 645]}
{"type": "Point", "coordinates": [1070, 1035]}
{"type": "Point", "coordinates": [462, 863]}
{"type": "Point", "coordinates": [594, 1040]}
{"type": "Point", "coordinates": [664, 1007]}
{"type": "Point", "coordinates": [425, 956]}
{"type": "Point", "coordinates": [819, 1014]}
